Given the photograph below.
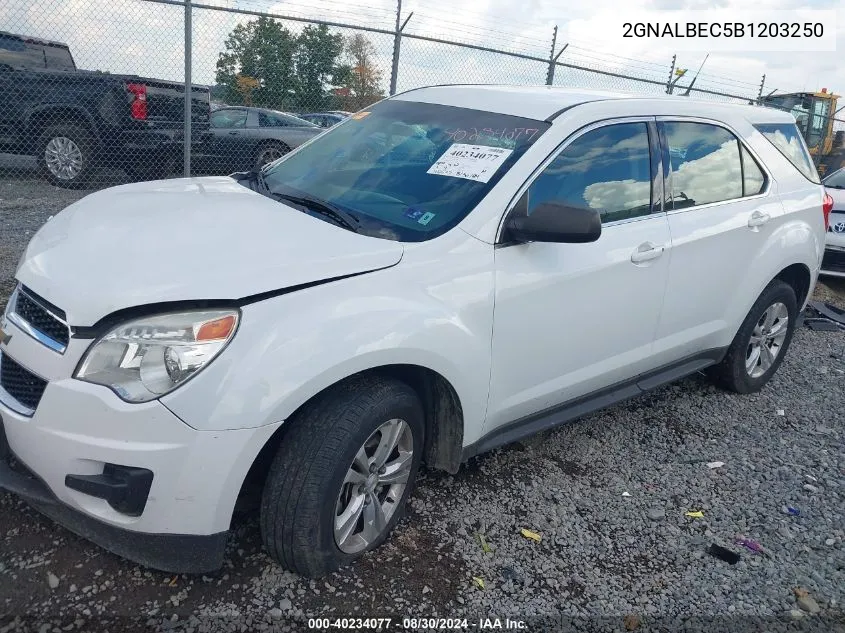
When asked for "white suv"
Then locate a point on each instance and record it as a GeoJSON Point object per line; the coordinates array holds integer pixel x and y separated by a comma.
{"type": "Point", "coordinates": [448, 271]}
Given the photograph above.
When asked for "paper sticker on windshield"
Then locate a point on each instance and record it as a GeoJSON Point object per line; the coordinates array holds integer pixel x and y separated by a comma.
{"type": "Point", "coordinates": [359, 115]}
{"type": "Point", "coordinates": [420, 216]}
{"type": "Point", "coordinates": [472, 162]}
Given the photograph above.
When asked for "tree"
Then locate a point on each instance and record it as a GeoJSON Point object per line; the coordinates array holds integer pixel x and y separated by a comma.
{"type": "Point", "coordinates": [317, 67]}
{"type": "Point", "coordinates": [246, 86]}
{"type": "Point", "coordinates": [362, 81]}
{"type": "Point", "coordinates": [265, 64]}
{"type": "Point", "coordinates": [261, 50]}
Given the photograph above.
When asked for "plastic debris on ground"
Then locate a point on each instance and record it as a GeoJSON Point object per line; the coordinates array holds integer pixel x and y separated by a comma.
{"type": "Point", "coordinates": [822, 325]}
{"type": "Point", "coordinates": [793, 512]}
{"type": "Point", "coordinates": [712, 465]}
{"type": "Point", "coordinates": [828, 311]}
{"type": "Point", "coordinates": [509, 573]}
{"type": "Point", "coordinates": [731, 558]}
{"type": "Point", "coordinates": [479, 582]}
{"type": "Point", "coordinates": [626, 494]}
{"type": "Point", "coordinates": [781, 412]}
{"type": "Point", "coordinates": [751, 545]}
{"type": "Point", "coordinates": [534, 536]}
{"type": "Point", "coordinates": [697, 514]}
{"type": "Point", "coordinates": [484, 546]}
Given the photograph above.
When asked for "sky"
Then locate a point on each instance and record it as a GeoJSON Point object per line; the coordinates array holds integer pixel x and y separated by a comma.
{"type": "Point", "coordinates": [135, 36]}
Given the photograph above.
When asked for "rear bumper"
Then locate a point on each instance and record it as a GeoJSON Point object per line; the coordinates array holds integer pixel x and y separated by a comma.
{"type": "Point", "coordinates": [183, 553]}
{"type": "Point", "coordinates": [833, 263]}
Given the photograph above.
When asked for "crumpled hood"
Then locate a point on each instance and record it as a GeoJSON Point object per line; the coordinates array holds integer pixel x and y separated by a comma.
{"type": "Point", "coordinates": [186, 239]}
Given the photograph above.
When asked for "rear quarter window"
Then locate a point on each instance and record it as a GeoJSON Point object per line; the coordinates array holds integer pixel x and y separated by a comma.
{"type": "Point", "coordinates": [787, 139]}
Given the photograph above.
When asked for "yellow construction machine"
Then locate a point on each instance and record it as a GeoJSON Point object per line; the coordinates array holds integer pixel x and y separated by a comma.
{"type": "Point", "coordinates": [816, 115]}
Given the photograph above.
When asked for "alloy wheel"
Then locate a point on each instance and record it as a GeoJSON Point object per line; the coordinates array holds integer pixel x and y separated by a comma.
{"type": "Point", "coordinates": [373, 486]}
{"type": "Point", "coordinates": [63, 158]}
{"type": "Point", "coordinates": [767, 340]}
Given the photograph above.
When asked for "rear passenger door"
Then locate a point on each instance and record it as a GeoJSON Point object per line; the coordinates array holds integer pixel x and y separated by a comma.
{"type": "Point", "coordinates": [571, 319]}
{"type": "Point", "coordinates": [720, 216]}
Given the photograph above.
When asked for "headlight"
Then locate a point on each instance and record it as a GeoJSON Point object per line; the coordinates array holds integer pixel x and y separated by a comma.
{"type": "Point", "coordinates": [146, 358]}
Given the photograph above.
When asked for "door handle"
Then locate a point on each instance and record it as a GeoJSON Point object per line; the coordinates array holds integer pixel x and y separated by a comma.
{"type": "Point", "coordinates": [758, 218]}
{"type": "Point", "coordinates": [233, 133]}
{"type": "Point", "coordinates": [646, 252]}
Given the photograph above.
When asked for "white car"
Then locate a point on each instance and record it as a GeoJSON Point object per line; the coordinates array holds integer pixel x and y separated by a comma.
{"type": "Point", "coordinates": [833, 263]}
{"type": "Point", "coordinates": [448, 271]}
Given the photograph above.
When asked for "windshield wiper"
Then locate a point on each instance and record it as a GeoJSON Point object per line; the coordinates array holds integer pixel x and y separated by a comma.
{"type": "Point", "coordinates": [260, 181]}
{"type": "Point", "coordinates": [344, 218]}
{"type": "Point", "coordinates": [254, 176]}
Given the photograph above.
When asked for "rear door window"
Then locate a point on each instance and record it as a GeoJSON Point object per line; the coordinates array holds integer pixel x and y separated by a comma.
{"type": "Point", "coordinates": [705, 164]}
{"type": "Point", "coordinates": [58, 58]}
{"type": "Point", "coordinates": [787, 139]}
{"type": "Point", "coordinates": [607, 169]}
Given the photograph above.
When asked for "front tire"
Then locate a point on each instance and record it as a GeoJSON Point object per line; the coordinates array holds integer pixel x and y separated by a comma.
{"type": "Point", "coordinates": [66, 155]}
{"type": "Point", "coordinates": [268, 153]}
{"type": "Point", "coordinates": [761, 343]}
{"type": "Point", "coordinates": [342, 476]}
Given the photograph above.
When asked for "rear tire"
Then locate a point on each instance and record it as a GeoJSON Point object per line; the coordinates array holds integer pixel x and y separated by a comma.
{"type": "Point", "coordinates": [761, 343]}
{"type": "Point", "coordinates": [352, 451]}
{"type": "Point", "coordinates": [66, 155]}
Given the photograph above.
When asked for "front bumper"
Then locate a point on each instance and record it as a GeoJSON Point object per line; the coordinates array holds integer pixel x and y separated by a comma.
{"type": "Point", "coordinates": [79, 428]}
{"type": "Point", "coordinates": [181, 553]}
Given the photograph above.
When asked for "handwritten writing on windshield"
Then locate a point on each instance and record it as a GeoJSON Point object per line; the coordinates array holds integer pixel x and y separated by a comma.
{"type": "Point", "coordinates": [492, 135]}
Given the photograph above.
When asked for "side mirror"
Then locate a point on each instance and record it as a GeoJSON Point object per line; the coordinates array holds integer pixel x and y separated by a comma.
{"type": "Point", "coordinates": [554, 222]}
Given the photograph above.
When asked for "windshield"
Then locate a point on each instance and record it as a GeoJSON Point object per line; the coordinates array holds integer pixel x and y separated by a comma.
{"type": "Point", "coordinates": [408, 171]}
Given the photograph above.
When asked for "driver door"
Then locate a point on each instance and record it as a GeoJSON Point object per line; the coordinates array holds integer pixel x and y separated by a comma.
{"type": "Point", "coordinates": [572, 319]}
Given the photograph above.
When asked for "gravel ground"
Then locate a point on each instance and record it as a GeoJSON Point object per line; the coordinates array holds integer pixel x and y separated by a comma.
{"type": "Point", "coordinates": [608, 496]}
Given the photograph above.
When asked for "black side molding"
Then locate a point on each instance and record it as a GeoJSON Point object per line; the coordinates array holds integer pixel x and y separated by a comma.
{"type": "Point", "coordinates": [590, 403]}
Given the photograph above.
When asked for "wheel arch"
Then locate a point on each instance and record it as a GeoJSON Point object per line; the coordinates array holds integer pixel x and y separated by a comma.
{"type": "Point", "coordinates": [270, 142]}
{"type": "Point", "coordinates": [39, 118]}
{"type": "Point", "coordinates": [442, 407]}
{"type": "Point", "coordinates": [798, 276]}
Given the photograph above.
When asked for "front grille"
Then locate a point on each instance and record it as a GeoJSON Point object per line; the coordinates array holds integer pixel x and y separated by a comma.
{"type": "Point", "coordinates": [21, 384]}
{"type": "Point", "coordinates": [39, 317]}
{"type": "Point", "coordinates": [834, 261]}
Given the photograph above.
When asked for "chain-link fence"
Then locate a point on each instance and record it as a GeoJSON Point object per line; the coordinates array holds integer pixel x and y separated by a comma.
{"type": "Point", "coordinates": [93, 92]}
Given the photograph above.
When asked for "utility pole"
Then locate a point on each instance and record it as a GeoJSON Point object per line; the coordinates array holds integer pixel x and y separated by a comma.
{"type": "Point", "coordinates": [760, 92]}
{"type": "Point", "coordinates": [397, 43]}
{"type": "Point", "coordinates": [186, 140]}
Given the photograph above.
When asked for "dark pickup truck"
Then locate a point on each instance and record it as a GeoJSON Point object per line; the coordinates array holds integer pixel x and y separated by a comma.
{"type": "Point", "coordinates": [77, 122]}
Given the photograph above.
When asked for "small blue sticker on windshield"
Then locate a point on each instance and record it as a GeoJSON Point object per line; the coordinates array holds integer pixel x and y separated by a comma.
{"type": "Point", "coordinates": [413, 213]}
{"type": "Point", "coordinates": [426, 218]}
